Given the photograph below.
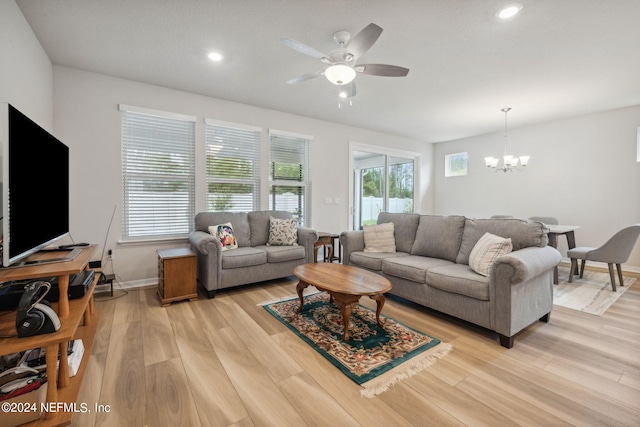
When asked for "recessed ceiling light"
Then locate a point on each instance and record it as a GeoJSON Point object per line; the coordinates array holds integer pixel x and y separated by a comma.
{"type": "Point", "coordinates": [215, 56]}
{"type": "Point", "coordinates": [509, 11]}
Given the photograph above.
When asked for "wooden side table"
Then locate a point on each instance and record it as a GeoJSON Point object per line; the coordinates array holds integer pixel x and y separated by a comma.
{"type": "Point", "coordinates": [327, 241]}
{"type": "Point", "coordinates": [177, 275]}
{"type": "Point", "coordinates": [324, 239]}
{"type": "Point", "coordinates": [336, 244]}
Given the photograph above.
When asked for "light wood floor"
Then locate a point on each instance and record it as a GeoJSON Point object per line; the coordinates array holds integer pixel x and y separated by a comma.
{"type": "Point", "coordinates": [227, 362]}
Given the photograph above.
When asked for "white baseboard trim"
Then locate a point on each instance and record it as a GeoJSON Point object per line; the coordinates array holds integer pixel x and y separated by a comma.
{"type": "Point", "coordinates": [153, 281]}
{"type": "Point", "coordinates": [140, 283]}
{"type": "Point", "coordinates": [602, 266]}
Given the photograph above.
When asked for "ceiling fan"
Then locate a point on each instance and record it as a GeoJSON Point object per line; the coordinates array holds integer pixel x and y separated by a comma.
{"type": "Point", "coordinates": [341, 65]}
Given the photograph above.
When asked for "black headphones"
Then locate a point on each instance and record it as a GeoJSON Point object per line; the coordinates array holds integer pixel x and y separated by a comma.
{"type": "Point", "coordinates": [34, 318]}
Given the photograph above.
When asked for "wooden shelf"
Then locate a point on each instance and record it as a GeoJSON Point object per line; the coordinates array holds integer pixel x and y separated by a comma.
{"type": "Point", "coordinates": [77, 321]}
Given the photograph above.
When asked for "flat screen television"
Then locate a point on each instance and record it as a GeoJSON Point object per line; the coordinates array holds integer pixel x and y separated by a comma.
{"type": "Point", "coordinates": [35, 188]}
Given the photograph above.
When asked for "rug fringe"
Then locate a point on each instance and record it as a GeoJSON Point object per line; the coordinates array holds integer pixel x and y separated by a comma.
{"type": "Point", "coordinates": [382, 383]}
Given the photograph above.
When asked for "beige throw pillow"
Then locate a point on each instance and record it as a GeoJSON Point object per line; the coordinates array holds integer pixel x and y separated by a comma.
{"type": "Point", "coordinates": [486, 250]}
{"type": "Point", "coordinates": [379, 238]}
{"type": "Point", "coordinates": [283, 232]}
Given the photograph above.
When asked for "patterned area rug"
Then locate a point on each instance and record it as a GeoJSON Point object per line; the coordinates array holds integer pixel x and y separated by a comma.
{"type": "Point", "coordinates": [590, 294]}
{"type": "Point", "coordinates": [375, 358]}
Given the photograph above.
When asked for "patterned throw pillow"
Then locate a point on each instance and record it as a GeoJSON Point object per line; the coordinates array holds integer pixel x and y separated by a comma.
{"type": "Point", "coordinates": [379, 238]}
{"type": "Point", "coordinates": [486, 250]}
{"type": "Point", "coordinates": [224, 233]}
{"type": "Point", "coordinates": [283, 232]}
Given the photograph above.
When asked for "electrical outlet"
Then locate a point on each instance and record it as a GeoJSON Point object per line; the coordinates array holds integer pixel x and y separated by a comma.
{"type": "Point", "coordinates": [111, 254]}
{"type": "Point", "coordinates": [337, 200]}
{"type": "Point", "coordinates": [328, 201]}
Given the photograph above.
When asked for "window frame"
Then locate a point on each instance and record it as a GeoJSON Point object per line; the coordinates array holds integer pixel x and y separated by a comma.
{"type": "Point", "coordinates": [448, 159]}
{"type": "Point", "coordinates": [175, 219]}
{"type": "Point", "coordinates": [253, 136]}
{"type": "Point", "coordinates": [302, 183]}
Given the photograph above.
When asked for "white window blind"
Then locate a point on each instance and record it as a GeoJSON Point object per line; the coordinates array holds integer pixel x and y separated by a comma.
{"type": "Point", "coordinates": [233, 167]}
{"type": "Point", "coordinates": [158, 167]}
{"type": "Point", "coordinates": [290, 174]}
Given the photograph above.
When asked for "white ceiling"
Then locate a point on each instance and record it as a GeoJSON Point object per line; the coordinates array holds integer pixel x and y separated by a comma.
{"type": "Point", "coordinates": [556, 59]}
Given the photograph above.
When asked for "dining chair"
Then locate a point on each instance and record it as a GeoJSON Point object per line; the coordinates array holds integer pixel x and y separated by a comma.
{"type": "Point", "coordinates": [549, 220]}
{"type": "Point", "coordinates": [615, 251]}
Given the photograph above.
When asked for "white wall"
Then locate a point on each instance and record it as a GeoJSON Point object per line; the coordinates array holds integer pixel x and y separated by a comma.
{"type": "Point", "coordinates": [86, 118]}
{"type": "Point", "coordinates": [25, 70]}
{"type": "Point", "coordinates": [582, 171]}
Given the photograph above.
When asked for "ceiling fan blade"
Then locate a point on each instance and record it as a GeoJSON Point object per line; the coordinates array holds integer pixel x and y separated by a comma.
{"type": "Point", "coordinates": [382, 70]}
{"type": "Point", "coordinates": [302, 48]}
{"type": "Point", "coordinates": [363, 41]}
{"type": "Point", "coordinates": [305, 77]}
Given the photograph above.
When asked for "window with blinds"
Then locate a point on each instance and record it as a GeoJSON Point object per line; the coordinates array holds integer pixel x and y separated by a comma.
{"type": "Point", "coordinates": [158, 174]}
{"type": "Point", "coordinates": [290, 174]}
{"type": "Point", "coordinates": [233, 167]}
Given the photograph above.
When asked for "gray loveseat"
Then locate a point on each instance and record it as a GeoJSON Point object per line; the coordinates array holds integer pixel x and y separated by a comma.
{"type": "Point", "coordinates": [253, 261]}
{"type": "Point", "coordinates": [431, 267]}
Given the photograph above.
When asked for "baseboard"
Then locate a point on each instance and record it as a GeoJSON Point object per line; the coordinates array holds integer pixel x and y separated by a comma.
{"type": "Point", "coordinates": [604, 268]}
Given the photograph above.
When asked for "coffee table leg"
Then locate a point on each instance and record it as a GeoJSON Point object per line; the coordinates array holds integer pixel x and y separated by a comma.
{"type": "Point", "coordinates": [379, 299]}
{"type": "Point", "coordinates": [345, 310]}
{"type": "Point", "coordinates": [300, 289]}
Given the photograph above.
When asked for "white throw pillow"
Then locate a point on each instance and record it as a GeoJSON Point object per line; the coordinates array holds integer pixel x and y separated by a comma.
{"type": "Point", "coordinates": [283, 232]}
{"type": "Point", "coordinates": [224, 233]}
{"type": "Point", "coordinates": [486, 250]}
{"type": "Point", "coordinates": [379, 238]}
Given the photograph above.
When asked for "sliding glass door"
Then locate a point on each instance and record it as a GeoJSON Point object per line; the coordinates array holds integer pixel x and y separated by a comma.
{"type": "Point", "coordinates": [382, 182]}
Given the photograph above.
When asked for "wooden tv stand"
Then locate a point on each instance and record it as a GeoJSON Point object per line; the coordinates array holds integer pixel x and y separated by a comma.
{"type": "Point", "coordinates": [78, 320]}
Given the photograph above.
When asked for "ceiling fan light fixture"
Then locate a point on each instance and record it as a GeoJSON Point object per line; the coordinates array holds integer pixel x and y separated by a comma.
{"type": "Point", "coordinates": [215, 56]}
{"type": "Point", "coordinates": [340, 74]}
{"type": "Point", "coordinates": [509, 11]}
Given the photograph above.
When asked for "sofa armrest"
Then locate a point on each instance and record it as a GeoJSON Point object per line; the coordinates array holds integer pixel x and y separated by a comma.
{"type": "Point", "coordinates": [351, 241]}
{"type": "Point", "coordinates": [520, 266]}
{"type": "Point", "coordinates": [204, 243]}
{"type": "Point", "coordinates": [307, 237]}
{"type": "Point", "coordinates": [209, 257]}
{"type": "Point", "coordinates": [521, 289]}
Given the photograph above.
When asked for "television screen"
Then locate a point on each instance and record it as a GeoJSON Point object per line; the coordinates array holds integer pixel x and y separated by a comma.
{"type": "Point", "coordinates": [35, 187]}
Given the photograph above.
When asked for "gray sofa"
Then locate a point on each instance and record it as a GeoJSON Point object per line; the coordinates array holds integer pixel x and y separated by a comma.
{"type": "Point", "coordinates": [431, 267]}
{"type": "Point", "coordinates": [253, 261]}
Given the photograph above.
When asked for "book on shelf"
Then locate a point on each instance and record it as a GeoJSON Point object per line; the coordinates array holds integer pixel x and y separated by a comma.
{"type": "Point", "coordinates": [75, 350]}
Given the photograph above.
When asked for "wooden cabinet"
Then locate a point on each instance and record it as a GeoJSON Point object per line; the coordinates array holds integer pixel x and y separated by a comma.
{"type": "Point", "coordinates": [78, 320]}
{"type": "Point", "coordinates": [177, 275]}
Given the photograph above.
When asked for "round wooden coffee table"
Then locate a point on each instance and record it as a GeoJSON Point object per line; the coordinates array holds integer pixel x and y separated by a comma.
{"type": "Point", "coordinates": [346, 284]}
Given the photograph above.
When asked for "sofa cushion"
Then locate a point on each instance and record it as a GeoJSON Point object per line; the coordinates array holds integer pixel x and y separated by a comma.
{"type": "Point", "coordinates": [224, 233]}
{"type": "Point", "coordinates": [523, 234]}
{"type": "Point", "coordinates": [411, 267]}
{"type": "Point", "coordinates": [259, 225]}
{"type": "Point", "coordinates": [379, 238]}
{"type": "Point", "coordinates": [485, 252]}
{"type": "Point", "coordinates": [373, 260]}
{"type": "Point", "coordinates": [243, 257]}
{"type": "Point", "coordinates": [459, 279]}
{"type": "Point", "coordinates": [239, 221]}
{"type": "Point", "coordinates": [405, 226]}
{"type": "Point", "coordinates": [439, 236]}
{"type": "Point", "coordinates": [282, 253]}
{"type": "Point", "coordinates": [283, 232]}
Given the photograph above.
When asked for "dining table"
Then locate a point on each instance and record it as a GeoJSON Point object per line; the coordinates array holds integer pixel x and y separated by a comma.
{"type": "Point", "coordinates": [556, 230]}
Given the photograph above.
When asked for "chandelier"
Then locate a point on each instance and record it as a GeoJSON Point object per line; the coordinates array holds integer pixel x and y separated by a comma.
{"type": "Point", "coordinates": [509, 163]}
